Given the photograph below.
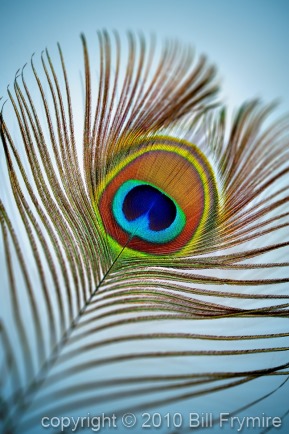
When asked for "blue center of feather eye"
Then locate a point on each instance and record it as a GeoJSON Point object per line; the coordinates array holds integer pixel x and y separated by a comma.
{"type": "Point", "coordinates": [143, 210]}
{"type": "Point", "coordinates": [147, 200]}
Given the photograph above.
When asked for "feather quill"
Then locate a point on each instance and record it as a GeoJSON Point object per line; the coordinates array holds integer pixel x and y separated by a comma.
{"type": "Point", "coordinates": [90, 324]}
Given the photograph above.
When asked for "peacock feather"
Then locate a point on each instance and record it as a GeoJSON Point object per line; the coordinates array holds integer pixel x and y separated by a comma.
{"type": "Point", "coordinates": [145, 247]}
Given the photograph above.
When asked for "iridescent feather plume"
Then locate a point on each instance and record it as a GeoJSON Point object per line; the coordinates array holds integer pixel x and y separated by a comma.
{"type": "Point", "coordinates": [148, 265]}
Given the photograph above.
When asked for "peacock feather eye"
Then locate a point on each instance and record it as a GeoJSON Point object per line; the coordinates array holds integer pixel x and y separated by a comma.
{"type": "Point", "coordinates": [161, 198]}
{"type": "Point", "coordinates": [143, 210]}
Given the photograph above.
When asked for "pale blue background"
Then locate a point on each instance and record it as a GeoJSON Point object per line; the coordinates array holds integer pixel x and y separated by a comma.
{"type": "Point", "coordinates": [248, 40]}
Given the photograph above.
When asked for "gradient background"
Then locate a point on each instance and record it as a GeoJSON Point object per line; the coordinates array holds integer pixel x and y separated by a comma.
{"type": "Point", "coordinates": [247, 40]}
